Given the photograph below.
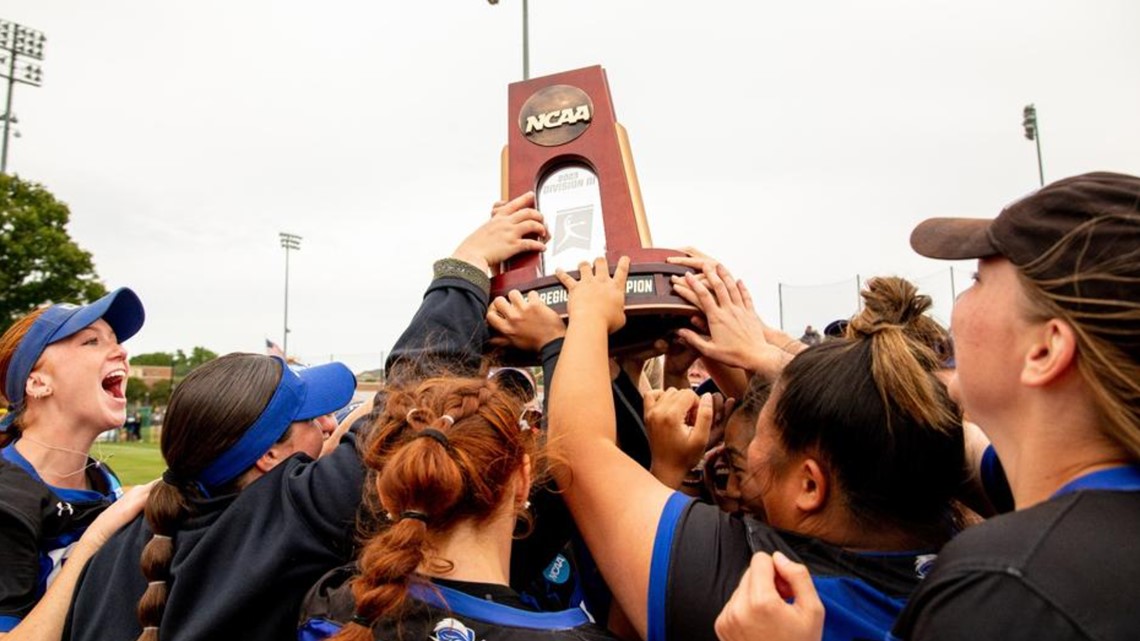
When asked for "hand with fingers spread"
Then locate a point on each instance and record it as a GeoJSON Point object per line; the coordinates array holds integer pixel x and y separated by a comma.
{"type": "Point", "coordinates": [776, 601]}
{"type": "Point", "coordinates": [515, 227]}
{"type": "Point", "coordinates": [703, 263]}
{"type": "Point", "coordinates": [678, 423]}
{"type": "Point", "coordinates": [736, 334]}
{"type": "Point", "coordinates": [524, 323]}
{"type": "Point", "coordinates": [596, 294]}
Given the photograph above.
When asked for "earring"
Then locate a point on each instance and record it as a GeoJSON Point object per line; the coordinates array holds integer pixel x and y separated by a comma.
{"type": "Point", "coordinates": [526, 504]}
{"type": "Point", "coordinates": [44, 394]}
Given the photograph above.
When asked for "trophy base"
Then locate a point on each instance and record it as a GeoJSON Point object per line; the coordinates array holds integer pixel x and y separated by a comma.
{"type": "Point", "coordinates": [653, 311]}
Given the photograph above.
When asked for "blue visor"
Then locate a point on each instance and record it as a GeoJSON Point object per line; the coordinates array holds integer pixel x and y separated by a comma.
{"type": "Point", "coordinates": [300, 396]}
{"type": "Point", "coordinates": [122, 310]}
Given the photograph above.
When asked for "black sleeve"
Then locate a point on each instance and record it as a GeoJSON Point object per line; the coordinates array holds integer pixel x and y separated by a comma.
{"type": "Point", "coordinates": [553, 525]}
{"type": "Point", "coordinates": [981, 605]}
{"type": "Point", "coordinates": [629, 410]}
{"type": "Point", "coordinates": [548, 356]}
{"type": "Point", "coordinates": [327, 493]}
{"type": "Point", "coordinates": [447, 333]}
{"type": "Point", "coordinates": [709, 554]}
{"type": "Point", "coordinates": [20, 528]}
{"type": "Point", "coordinates": [20, 562]}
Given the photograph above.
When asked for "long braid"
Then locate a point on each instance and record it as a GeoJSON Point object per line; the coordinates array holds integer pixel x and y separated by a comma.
{"type": "Point", "coordinates": [445, 452]}
{"type": "Point", "coordinates": [226, 394]}
{"type": "Point", "coordinates": [165, 510]}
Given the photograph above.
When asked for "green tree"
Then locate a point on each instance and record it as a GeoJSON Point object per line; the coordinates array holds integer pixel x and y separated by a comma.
{"type": "Point", "coordinates": [165, 359]}
{"type": "Point", "coordinates": [39, 262]}
{"type": "Point", "coordinates": [160, 392]}
{"type": "Point", "coordinates": [183, 363]}
{"type": "Point", "coordinates": [136, 390]}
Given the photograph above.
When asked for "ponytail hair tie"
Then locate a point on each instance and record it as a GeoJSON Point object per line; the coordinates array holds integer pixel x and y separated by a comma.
{"type": "Point", "coordinates": [410, 414]}
{"type": "Point", "coordinates": [161, 536]}
{"type": "Point", "coordinates": [434, 434]}
{"type": "Point", "coordinates": [415, 515]}
{"type": "Point", "coordinates": [361, 620]}
{"type": "Point", "coordinates": [448, 419]}
{"type": "Point", "coordinates": [157, 583]}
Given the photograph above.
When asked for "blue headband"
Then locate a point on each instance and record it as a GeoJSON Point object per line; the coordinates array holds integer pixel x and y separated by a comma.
{"type": "Point", "coordinates": [316, 391]}
{"type": "Point", "coordinates": [121, 309]}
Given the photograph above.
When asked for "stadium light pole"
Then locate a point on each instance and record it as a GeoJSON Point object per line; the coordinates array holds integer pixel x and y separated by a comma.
{"type": "Point", "coordinates": [18, 42]}
{"type": "Point", "coordinates": [288, 242]}
{"type": "Point", "coordinates": [526, 39]}
{"type": "Point", "coordinates": [1032, 132]}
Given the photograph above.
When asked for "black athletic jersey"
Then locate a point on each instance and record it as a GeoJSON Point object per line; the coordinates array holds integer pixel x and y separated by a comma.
{"type": "Point", "coordinates": [241, 564]}
{"type": "Point", "coordinates": [1068, 568]}
{"type": "Point", "coordinates": [700, 554]}
{"type": "Point", "coordinates": [39, 524]}
{"type": "Point", "coordinates": [446, 611]}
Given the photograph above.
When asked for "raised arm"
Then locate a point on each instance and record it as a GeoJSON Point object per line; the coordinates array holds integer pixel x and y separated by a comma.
{"type": "Point", "coordinates": [616, 503]}
{"type": "Point", "coordinates": [449, 330]}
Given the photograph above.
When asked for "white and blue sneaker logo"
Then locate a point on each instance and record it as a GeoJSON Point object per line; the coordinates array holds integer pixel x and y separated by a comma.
{"type": "Point", "coordinates": [452, 630]}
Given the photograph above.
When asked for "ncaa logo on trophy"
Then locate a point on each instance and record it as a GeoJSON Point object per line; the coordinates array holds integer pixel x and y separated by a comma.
{"type": "Point", "coordinates": [565, 144]}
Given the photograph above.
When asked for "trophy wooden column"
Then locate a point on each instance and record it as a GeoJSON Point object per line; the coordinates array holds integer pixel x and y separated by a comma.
{"type": "Point", "coordinates": [565, 144]}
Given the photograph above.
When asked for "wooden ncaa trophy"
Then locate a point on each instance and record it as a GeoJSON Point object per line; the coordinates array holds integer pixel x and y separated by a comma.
{"type": "Point", "coordinates": [566, 146]}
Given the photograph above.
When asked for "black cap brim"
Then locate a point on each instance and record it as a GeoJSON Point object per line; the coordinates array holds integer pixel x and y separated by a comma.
{"type": "Point", "coordinates": [954, 238]}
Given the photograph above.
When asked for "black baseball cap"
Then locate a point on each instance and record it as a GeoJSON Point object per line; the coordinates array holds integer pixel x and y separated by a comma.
{"type": "Point", "coordinates": [1078, 239]}
{"type": "Point", "coordinates": [1107, 204]}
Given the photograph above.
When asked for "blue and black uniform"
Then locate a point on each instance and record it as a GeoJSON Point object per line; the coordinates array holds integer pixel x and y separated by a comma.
{"type": "Point", "coordinates": [243, 562]}
{"type": "Point", "coordinates": [701, 552]}
{"type": "Point", "coordinates": [447, 610]}
{"type": "Point", "coordinates": [38, 525]}
{"type": "Point", "coordinates": [1063, 569]}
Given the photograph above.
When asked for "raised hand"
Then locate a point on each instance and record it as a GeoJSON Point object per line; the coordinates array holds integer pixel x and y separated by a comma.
{"type": "Point", "coordinates": [678, 423]}
{"type": "Point", "coordinates": [596, 294]}
{"type": "Point", "coordinates": [776, 601]}
{"type": "Point", "coordinates": [736, 334]}
{"type": "Point", "coordinates": [515, 227]}
{"type": "Point", "coordinates": [524, 323]}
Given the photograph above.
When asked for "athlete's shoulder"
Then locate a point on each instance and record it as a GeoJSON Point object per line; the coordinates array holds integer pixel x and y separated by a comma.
{"type": "Point", "coordinates": [22, 496]}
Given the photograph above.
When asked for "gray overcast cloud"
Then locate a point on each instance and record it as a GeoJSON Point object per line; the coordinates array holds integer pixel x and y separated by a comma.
{"type": "Point", "coordinates": [798, 142]}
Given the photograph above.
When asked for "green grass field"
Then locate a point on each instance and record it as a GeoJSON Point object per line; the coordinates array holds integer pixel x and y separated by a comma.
{"type": "Point", "coordinates": [136, 462]}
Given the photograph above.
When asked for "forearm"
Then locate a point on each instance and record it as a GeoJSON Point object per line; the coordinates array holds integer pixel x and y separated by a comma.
{"type": "Point", "coordinates": [45, 621]}
{"type": "Point", "coordinates": [731, 381]}
{"type": "Point", "coordinates": [581, 404]}
{"type": "Point", "coordinates": [671, 476]}
{"type": "Point", "coordinates": [615, 502]}
{"type": "Point", "coordinates": [447, 330]}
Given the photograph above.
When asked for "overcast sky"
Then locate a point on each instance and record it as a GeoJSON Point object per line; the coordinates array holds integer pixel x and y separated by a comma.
{"type": "Point", "coordinates": [798, 142]}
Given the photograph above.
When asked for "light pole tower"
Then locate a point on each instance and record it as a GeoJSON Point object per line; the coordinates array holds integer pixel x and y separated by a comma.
{"type": "Point", "coordinates": [526, 39]}
{"type": "Point", "coordinates": [17, 42]}
{"type": "Point", "coordinates": [1029, 121]}
{"type": "Point", "coordinates": [288, 242]}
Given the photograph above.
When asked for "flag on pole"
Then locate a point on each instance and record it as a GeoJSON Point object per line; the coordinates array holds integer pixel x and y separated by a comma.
{"type": "Point", "coordinates": [273, 349]}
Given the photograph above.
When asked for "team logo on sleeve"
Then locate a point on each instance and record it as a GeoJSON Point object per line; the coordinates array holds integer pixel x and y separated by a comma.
{"type": "Point", "coordinates": [558, 572]}
{"type": "Point", "coordinates": [452, 630]}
